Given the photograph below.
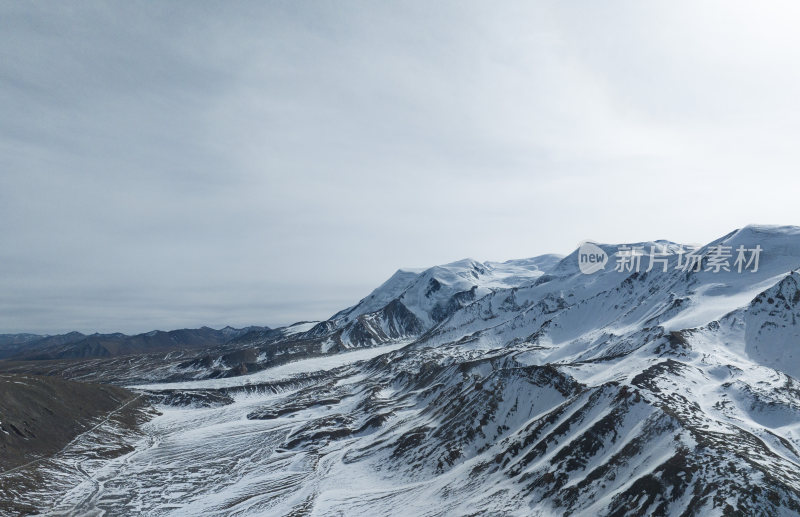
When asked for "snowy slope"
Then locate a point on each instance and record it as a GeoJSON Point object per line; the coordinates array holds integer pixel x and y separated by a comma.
{"type": "Point", "coordinates": [772, 322]}
{"type": "Point", "coordinates": [545, 392]}
{"type": "Point", "coordinates": [427, 297]}
{"type": "Point", "coordinates": [406, 306]}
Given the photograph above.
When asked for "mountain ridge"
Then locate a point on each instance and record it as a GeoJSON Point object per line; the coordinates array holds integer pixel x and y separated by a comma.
{"type": "Point", "coordinates": [472, 388]}
{"type": "Point", "coordinates": [78, 345]}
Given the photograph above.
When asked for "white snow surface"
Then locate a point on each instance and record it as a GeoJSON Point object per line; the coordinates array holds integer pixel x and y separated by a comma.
{"type": "Point", "coordinates": [415, 288]}
{"type": "Point", "coordinates": [283, 372]}
{"type": "Point", "coordinates": [552, 392]}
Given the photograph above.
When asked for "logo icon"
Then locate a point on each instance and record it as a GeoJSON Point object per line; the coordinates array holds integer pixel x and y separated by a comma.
{"type": "Point", "coordinates": [591, 258]}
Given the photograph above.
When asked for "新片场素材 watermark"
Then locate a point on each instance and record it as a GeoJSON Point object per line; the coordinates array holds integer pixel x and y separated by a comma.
{"type": "Point", "coordinates": [633, 259]}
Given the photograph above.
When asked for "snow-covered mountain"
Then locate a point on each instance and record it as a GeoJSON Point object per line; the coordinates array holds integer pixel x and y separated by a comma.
{"type": "Point", "coordinates": [521, 388]}
{"type": "Point", "coordinates": [410, 303]}
{"type": "Point", "coordinates": [406, 306]}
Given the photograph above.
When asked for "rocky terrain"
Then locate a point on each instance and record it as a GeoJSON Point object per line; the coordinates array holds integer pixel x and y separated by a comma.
{"type": "Point", "coordinates": [521, 388]}
{"type": "Point", "coordinates": [40, 416]}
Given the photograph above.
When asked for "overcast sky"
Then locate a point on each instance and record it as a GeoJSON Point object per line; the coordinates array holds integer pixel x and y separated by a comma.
{"type": "Point", "coordinates": [167, 165]}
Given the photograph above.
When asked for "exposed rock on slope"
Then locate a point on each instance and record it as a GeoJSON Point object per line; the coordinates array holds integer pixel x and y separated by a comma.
{"type": "Point", "coordinates": [621, 393]}
{"type": "Point", "coordinates": [40, 415]}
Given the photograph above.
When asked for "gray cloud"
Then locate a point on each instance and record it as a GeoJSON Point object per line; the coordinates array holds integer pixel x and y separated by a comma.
{"type": "Point", "coordinates": [167, 165]}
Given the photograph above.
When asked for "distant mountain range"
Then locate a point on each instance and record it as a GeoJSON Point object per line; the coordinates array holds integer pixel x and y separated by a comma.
{"type": "Point", "coordinates": [75, 345]}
